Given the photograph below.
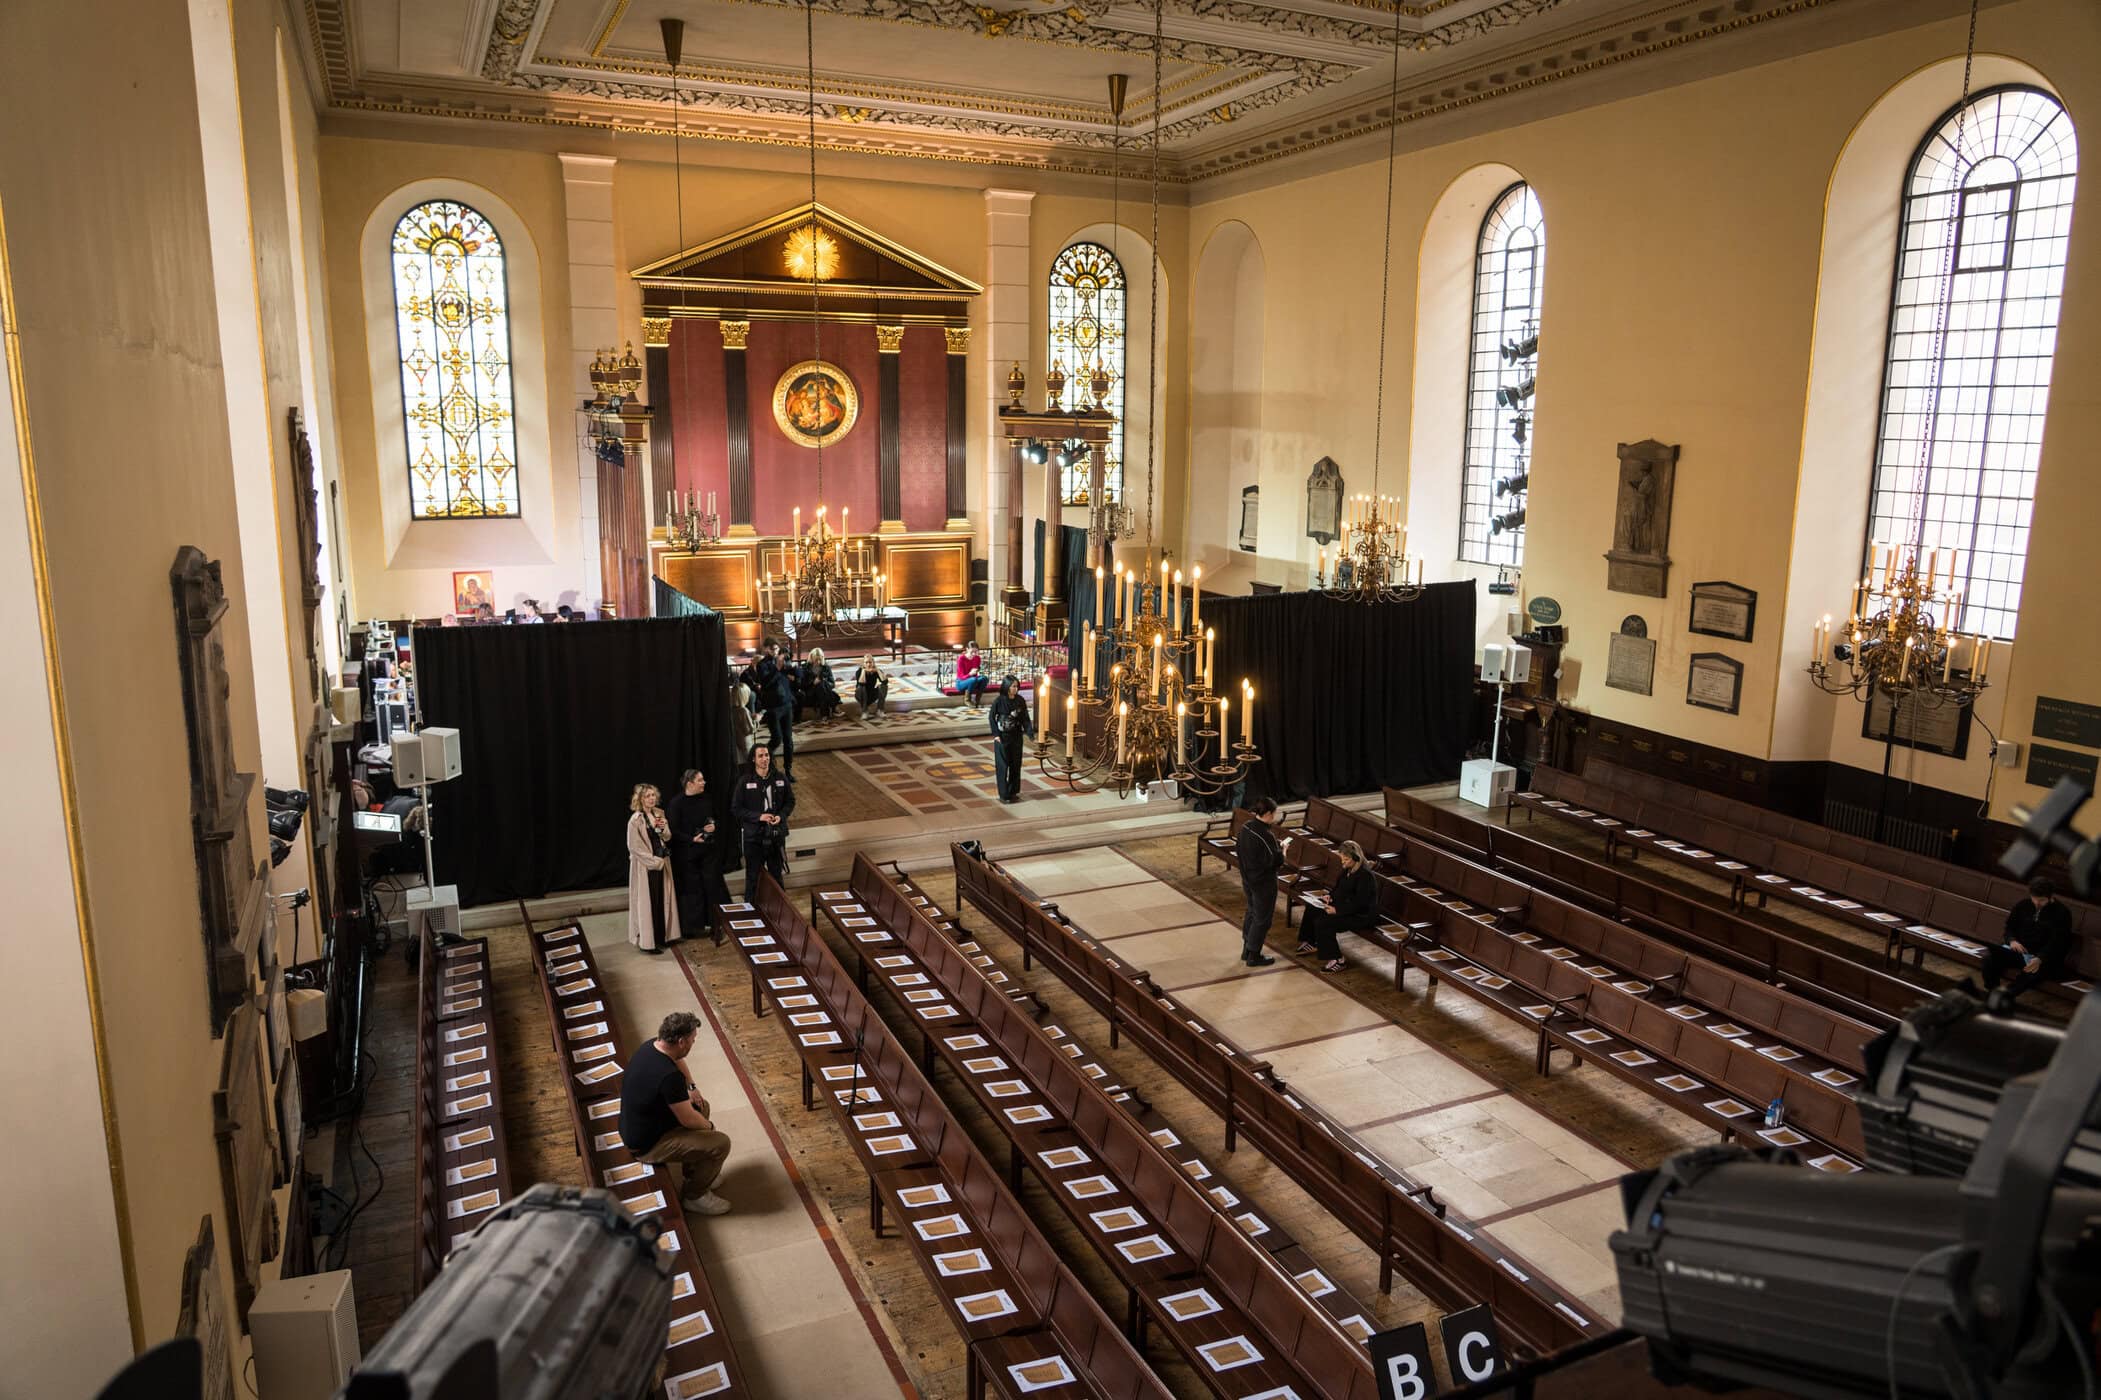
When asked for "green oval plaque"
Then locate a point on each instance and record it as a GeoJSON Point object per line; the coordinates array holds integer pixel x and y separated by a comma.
{"type": "Point", "coordinates": [1544, 611]}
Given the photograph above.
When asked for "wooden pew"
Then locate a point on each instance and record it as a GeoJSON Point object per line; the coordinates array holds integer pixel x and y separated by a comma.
{"type": "Point", "coordinates": [462, 1169]}
{"type": "Point", "coordinates": [1137, 1203]}
{"type": "Point", "coordinates": [1027, 1322]}
{"type": "Point", "coordinates": [1412, 1232]}
{"type": "Point", "coordinates": [699, 1358]}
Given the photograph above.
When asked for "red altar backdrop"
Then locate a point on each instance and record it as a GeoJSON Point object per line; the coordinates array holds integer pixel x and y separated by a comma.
{"type": "Point", "coordinates": [784, 473]}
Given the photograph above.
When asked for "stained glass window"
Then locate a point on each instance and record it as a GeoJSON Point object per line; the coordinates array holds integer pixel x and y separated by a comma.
{"type": "Point", "coordinates": [1971, 338]}
{"type": "Point", "coordinates": [1087, 332]}
{"type": "Point", "coordinates": [1509, 267]}
{"type": "Point", "coordinates": [452, 312]}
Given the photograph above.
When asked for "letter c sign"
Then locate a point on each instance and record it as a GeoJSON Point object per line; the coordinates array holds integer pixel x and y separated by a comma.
{"type": "Point", "coordinates": [1473, 1348]}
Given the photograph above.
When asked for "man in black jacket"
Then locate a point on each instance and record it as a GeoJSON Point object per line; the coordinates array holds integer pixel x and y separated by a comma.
{"type": "Point", "coordinates": [696, 855]}
{"type": "Point", "coordinates": [2038, 939]}
{"type": "Point", "coordinates": [1259, 855]}
{"type": "Point", "coordinates": [760, 803]}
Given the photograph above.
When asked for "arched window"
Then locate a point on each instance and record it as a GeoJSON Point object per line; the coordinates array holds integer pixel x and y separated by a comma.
{"type": "Point", "coordinates": [1509, 267]}
{"type": "Point", "coordinates": [1967, 373]}
{"type": "Point", "coordinates": [1087, 331]}
{"type": "Point", "coordinates": [452, 315]}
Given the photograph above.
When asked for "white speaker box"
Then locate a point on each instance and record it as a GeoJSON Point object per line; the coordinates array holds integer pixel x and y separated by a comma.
{"type": "Point", "coordinates": [430, 755]}
{"type": "Point", "coordinates": [1502, 661]}
{"type": "Point", "coordinates": [1485, 783]}
{"type": "Point", "coordinates": [439, 907]}
{"type": "Point", "coordinates": [305, 1334]}
{"type": "Point", "coordinates": [307, 1011]}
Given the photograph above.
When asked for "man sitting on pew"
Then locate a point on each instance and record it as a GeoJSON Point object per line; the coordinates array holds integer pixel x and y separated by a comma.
{"type": "Point", "coordinates": [1352, 908]}
{"type": "Point", "coordinates": [664, 1118]}
{"type": "Point", "coordinates": [2038, 938]}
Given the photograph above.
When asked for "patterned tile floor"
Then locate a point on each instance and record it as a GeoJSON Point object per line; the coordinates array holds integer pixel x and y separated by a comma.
{"type": "Point", "coordinates": [945, 776]}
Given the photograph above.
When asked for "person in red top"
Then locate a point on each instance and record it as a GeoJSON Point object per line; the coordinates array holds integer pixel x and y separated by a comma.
{"type": "Point", "coordinates": [970, 678]}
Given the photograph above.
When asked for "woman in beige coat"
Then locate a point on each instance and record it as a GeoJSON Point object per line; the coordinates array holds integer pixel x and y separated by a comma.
{"type": "Point", "coordinates": [652, 900]}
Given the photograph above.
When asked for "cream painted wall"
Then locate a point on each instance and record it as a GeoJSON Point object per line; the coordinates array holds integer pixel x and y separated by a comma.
{"type": "Point", "coordinates": [1684, 231]}
{"type": "Point", "coordinates": [125, 406]}
{"type": "Point", "coordinates": [404, 569]}
{"type": "Point", "coordinates": [1226, 338]}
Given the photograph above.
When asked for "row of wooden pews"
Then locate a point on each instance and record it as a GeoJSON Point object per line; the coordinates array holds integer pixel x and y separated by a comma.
{"type": "Point", "coordinates": [699, 1358]}
{"type": "Point", "coordinates": [1716, 1043]}
{"type": "Point", "coordinates": [1906, 915]}
{"type": "Point", "coordinates": [1403, 1222]}
{"type": "Point", "coordinates": [1867, 991]}
{"type": "Point", "coordinates": [921, 928]}
{"type": "Point", "coordinates": [1028, 1323]}
{"type": "Point", "coordinates": [462, 1170]}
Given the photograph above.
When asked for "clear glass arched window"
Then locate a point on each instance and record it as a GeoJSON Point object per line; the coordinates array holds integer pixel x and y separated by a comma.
{"type": "Point", "coordinates": [1980, 270]}
{"type": "Point", "coordinates": [1087, 329]}
{"type": "Point", "coordinates": [1502, 353]}
{"type": "Point", "coordinates": [452, 316]}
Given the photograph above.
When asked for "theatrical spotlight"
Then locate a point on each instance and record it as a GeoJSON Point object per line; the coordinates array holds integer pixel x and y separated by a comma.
{"type": "Point", "coordinates": [1511, 395]}
{"type": "Point", "coordinates": [1520, 429]}
{"type": "Point", "coordinates": [1512, 485]}
{"type": "Point", "coordinates": [1035, 452]}
{"type": "Point", "coordinates": [1515, 350]}
{"type": "Point", "coordinates": [1515, 520]}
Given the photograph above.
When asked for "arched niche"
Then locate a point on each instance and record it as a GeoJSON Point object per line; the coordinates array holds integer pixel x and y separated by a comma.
{"type": "Point", "coordinates": [1855, 267]}
{"type": "Point", "coordinates": [1227, 309]}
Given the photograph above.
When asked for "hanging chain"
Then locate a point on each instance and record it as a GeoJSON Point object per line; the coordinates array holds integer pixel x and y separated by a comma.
{"type": "Point", "coordinates": [1152, 320]}
{"type": "Point", "coordinates": [809, 17]}
{"type": "Point", "coordinates": [1393, 126]}
{"type": "Point", "coordinates": [1947, 294]}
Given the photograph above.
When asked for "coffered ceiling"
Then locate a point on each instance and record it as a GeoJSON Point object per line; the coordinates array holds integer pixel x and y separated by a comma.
{"type": "Point", "coordinates": [994, 81]}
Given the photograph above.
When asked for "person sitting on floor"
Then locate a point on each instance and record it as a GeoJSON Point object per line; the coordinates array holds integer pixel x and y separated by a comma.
{"type": "Point", "coordinates": [871, 687]}
{"type": "Point", "coordinates": [665, 1119]}
{"type": "Point", "coordinates": [815, 688]}
{"type": "Point", "coordinates": [1352, 908]}
{"type": "Point", "coordinates": [971, 679]}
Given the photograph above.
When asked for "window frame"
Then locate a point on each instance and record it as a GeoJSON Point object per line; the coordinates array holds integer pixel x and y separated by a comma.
{"type": "Point", "coordinates": [1113, 477]}
{"type": "Point", "coordinates": [1520, 188]}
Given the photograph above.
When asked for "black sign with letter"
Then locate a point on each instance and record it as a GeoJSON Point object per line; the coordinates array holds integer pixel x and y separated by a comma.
{"type": "Point", "coordinates": [1473, 1348]}
{"type": "Point", "coordinates": [2046, 765]}
{"type": "Point", "coordinates": [2068, 721]}
{"type": "Point", "coordinates": [1401, 1361]}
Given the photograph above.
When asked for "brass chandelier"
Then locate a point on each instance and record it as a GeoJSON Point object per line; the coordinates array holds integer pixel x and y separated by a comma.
{"type": "Point", "coordinates": [1899, 638]}
{"type": "Point", "coordinates": [1371, 558]}
{"type": "Point", "coordinates": [1143, 708]}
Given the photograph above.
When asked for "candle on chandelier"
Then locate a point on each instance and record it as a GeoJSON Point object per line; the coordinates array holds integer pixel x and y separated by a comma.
{"type": "Point", "coordinates": [1044, 697]}
{"type": "Point", "coordinates": [1947, 660]}
{"type": "Point", "coordinates": [1210, 642]}
{"type": "Point", "coordinates": [1321, 574]}
{"type": "Point", "coordinates": [670, 504]}
{"type": "Point", "coordinates": [1159, 685]}
{"type": "Point", "coordinates": [1196, 599]}
{"type": "Point", "coordinates": [1123, 729]}
{"type": "Point", "coordinates": [1984, 655]}
{"type": "Point", "coordinates": [1100, 600]}
{"type": "Point", "coordinates": [1072, 722]}
{"type": "Point", "coordinates": [1177, 623]}
{"type": "Point", "coordinates": [1247, 713]}
{"type": "Point", "coordinates": [711, 502]}
{"type": "Point", "coordinates": [1181, 735]}
{"type": "Point", "coordinates": [1904, 661]}
{"type": "Point", "coordinates": [1225, 726]}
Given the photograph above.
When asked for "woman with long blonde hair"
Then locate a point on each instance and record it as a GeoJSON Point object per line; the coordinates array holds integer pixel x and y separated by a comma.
{"type": "Point", "coordinates": [652, 899]}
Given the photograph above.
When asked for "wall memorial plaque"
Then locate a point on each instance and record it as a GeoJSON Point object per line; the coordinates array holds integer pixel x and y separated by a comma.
{"type": "Point", "coordinates": [1641, 519]}
{"type": "Point", "coordinates": [1544, 611]}
{"type": "Point", "coordinates": [1714, 682]}
{"type": "Point", "coordinates": [202, 1317]}
{"type": "Point", "coordinates": [1941, 729]}
{"type": "Point", "coordinates": [1723, 610]}
{"type": "Point", "coordinates": [2067, 721]}
{"type": "Point", "coordinates": [1630, 662]}
{"type": "Point", "coordinates": [2046, 765]}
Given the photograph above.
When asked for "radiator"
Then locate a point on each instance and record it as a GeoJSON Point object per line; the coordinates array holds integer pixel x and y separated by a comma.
{"type": "Point", "coordinates": [1855, 820]}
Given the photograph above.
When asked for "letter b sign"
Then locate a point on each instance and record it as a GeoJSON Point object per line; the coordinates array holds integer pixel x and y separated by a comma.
{"type": "Point", "coordinates": [1401, 1359]}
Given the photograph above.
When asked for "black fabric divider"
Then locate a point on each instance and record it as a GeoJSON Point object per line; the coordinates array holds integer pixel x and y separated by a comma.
{"type": "Point", "coordinates": [670, 602]}
{"type": "Point", "coordinates": [1349, 696]}
{"type": "Point", "coordinates": [557, 724]}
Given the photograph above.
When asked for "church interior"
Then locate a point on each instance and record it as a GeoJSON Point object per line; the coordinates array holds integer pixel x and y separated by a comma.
{"type": "Point", "coordinates": [862, 697]}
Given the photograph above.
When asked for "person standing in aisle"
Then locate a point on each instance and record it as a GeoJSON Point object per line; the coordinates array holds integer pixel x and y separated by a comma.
{"type": "Point", "coordinates": [760, 804]}
{"type": "Point", "coordinates": [1260, 855]}
{"type": "Point", "coordinates": [1011, 722]}
{"type": "Point", "coordinates": [696, 854]}
{"type": "Point", "coordinates": [652, 888]}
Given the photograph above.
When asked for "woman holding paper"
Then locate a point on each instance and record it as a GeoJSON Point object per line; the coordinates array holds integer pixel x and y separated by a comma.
{"type": "Point", "coordinates": [652, 898]}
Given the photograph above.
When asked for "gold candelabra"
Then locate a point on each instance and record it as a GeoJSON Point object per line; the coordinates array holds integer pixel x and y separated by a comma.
{"type": "Point", "coordinates": [1898, 637]}
{"type": "Point", "coordinates": [1142, 707]}
{"type": "Point", "coordinates": [831, 576]}
{"type": "Point", "coordinates": [1371, 558]}
{"type": "Point", "coordinates": [686, 524]}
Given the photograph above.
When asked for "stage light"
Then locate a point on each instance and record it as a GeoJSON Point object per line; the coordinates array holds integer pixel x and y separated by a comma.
{"type": "Point", "coordinates": [1525, 349]}
{"type": "Point", "coordinates": [1515, 520]}
{"type": "Point", "coordinates": [1512, 485]}
{"type": "Point", "coordinates": [1511, 395]}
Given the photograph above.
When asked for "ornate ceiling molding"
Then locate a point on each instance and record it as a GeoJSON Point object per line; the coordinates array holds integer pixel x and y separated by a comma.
{"type": "Point", "coordinates": [1224, 89]}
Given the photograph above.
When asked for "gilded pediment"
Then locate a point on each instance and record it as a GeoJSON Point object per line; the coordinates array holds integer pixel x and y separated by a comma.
{"type": "Point", "coordinates": [780, 255]}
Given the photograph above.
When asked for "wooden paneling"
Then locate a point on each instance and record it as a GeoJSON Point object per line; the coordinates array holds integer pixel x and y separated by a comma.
{"type": "Point", "coordinates": [927, 570]}
{"type": "Point", "coordinates": [723, 577]}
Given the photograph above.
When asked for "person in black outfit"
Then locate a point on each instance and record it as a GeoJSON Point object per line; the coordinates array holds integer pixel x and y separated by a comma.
{"type": "Point", "coordinates": [1011, 722]}
{"type": "Point", "coordinates": [665, 1120]}
{"type": "Point", "coordinates": [1352, 908]}
{"type": "Point", "coordinates": [779, 705]}
{"type": "Point", "coordinates": [2038, 939]}
{"type": "Point", "coordinates": [871, 687]}
{"type": "Point", "coordinates": [815, 686]}
{"type": "Point", "coordinates": [696, 855]}
{"type": "Point", "coordinates": [1259, 855]}
{"type": "Point", "coordinates": [761, 802]}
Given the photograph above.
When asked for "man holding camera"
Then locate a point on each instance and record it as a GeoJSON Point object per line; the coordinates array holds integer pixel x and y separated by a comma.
{"type": "Point", "coordinates": [761, 801]}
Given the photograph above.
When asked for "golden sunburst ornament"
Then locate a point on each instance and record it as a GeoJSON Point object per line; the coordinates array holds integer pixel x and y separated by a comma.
{"type": "Point", "coordinates": [812, 253]}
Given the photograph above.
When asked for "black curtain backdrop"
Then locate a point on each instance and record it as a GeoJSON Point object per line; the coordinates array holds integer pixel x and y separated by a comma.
{"type": "Point", "coordinates": [557, 724]}
{"type": "Point", "coordinates": [672, 603]}
{"type": "Point", "coordinates": [1079, 585]}
{"type": "Point", "coordinates": [1349, 696]}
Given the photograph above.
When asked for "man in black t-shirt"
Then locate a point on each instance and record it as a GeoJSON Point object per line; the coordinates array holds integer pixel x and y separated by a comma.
{"type": "Point", "coordinates": [664, 1119]}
